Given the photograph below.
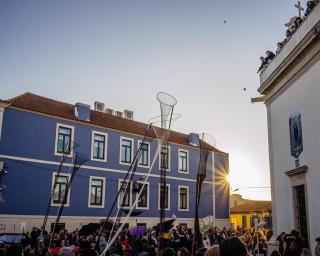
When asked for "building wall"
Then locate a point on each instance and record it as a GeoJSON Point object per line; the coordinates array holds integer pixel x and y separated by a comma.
{"type": "Point", "coordinates": [27, 148]}
{"type": "Point", "coordinates": [236, 219]}
{"type": "Point", "coordinates": [303, 96]}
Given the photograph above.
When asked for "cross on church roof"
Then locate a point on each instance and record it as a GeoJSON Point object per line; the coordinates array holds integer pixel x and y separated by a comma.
{"type": "Point", "coordinates": [299, 7]}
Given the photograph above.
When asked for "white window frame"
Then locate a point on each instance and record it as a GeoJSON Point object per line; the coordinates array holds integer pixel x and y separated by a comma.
{"type": "Point", "coordinates": [132, 148]}
{"type": "Point", "coordinates": [52, 184]}
{"type": "Point", "coordinates": [179, 167]}
{"type": "Point", "coordinates": [188, 199]}
{"type": "Point", "coordinates": [103, 191]}
{"type": "Point", "coordinates": [105, 146]}
{"type": "Point", "coordinates": [56, 140]}
{"type": "Point", "coordinates": [169, 197]}
{"type": "Point", "coordinates": [119, 198]}
{"type": "Point", "coordinates": [149, 149]}
{"type": "Point", "coordinates": [148, 191]}
{"type": "Point", "coordinates": [169, 158]}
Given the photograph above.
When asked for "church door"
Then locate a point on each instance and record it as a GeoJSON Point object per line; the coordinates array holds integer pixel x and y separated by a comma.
{"type": "Point", "coordinates": [301, 211]}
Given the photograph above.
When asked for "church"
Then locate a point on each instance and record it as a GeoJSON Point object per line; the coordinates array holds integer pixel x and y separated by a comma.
{"type": "Point", "coordinates": [289, 87]}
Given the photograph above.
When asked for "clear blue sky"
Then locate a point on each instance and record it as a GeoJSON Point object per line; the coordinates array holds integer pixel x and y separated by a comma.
{"type": "Point", "coordinates": [124, 52]}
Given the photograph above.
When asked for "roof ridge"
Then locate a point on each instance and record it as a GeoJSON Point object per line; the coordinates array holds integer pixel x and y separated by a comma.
{"type": "Point", "coordinates": [20, 96]}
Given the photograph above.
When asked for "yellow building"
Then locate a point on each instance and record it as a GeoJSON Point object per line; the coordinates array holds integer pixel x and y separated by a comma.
{"type": "Point", "coordinates": [251, 213]}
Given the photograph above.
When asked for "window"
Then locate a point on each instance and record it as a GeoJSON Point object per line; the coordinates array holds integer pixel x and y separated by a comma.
{"type": "Point", "coordinates": [183, 161]}
{"type": "Point", "coordinates": [164, 162]}
{"type": "Point", "coordinates": [144, 156]}
{"type": "Point", "coordinates": [244, 221]}
{"type": "Point", "coordinates": [183, 198]}
{"type": "Point", "coordinates": [126, 151]}
{"type": "Point", "coordinates": [166, 197]}
{"type": "Point", "coordinates": [254, 221]}
{"type": "Point", "coordinates": [64, 139]}
{"type": "Point", "coordinates": [125, 197]}
{"type": "Point", "coordinates": [59, 184]}
{"type": "Point", "coordinates": [96, 192]}
{"type": "Point", "coordinates": [143, 201]}
{"type": "Point", "coordinates": [99, 143]}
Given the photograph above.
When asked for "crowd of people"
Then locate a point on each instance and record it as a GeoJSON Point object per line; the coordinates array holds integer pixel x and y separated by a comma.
{"type": "Point", "coordinates": [293, 25]}
{"type": "Point", "coordinates": [177, 242]}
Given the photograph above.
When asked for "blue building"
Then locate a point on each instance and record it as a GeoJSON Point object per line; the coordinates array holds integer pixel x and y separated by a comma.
{"type": "Point", "coordinates": [35, 132]}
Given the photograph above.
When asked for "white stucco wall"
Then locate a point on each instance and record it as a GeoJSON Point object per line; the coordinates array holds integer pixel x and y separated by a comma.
{"type": "Point", "coordinates": [304, 96]}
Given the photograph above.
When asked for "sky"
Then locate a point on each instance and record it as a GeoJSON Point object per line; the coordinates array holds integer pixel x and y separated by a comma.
{"type": "Point", "coordinates": [123, 52]}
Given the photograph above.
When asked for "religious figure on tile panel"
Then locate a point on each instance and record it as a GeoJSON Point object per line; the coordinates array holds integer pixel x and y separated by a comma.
{"type": "Point", "coordinates": [295, 128]}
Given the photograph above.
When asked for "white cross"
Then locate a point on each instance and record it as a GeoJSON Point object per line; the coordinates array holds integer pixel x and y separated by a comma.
{"type": "Point", "coordinates": [299, 7]}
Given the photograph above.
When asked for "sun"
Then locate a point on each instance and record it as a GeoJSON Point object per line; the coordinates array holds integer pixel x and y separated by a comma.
{"type": "Point", "coordinates": [228, 178]}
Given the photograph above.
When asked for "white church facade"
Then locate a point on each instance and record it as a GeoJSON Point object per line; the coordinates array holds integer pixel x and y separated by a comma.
{"type": "Point", "coordinates": [290, 89]}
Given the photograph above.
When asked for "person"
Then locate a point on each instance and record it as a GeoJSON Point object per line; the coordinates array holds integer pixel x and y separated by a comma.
{"type": "Point", "coordinates": [317, 249]}
{"type": "Point", "coordinates": [294, 244]}
{"type": "Point", "coordinates": [263, 64]}
{"type": "Point", "coordinates": [125, 244]}
{"type": "Point", "coordinates": [66, 251]}
{"type": "Point", "coordinates": [233, 246]}
{"type": "Point", "coordinates": [201, 251]}
{"type": "Point", "coordinates": [270, 56]}
{"type": "Point", "coordinates": [288, 36]}
{"type": "Point", "coordinates": [168, 252]}
{"type": "Point", "coordinates": [279, 47]}
{"type": "Point", "coordinates": [281, 241]}
{"type": "Point", "coordinates": [275, 253]}
{"type": "Point", "coordinates": [213, 251]}
{"type": "Point", "coordinates": [183, 251]}
{"type": "Point", "coordinates": [310, 5]}
{"type": "Point", "coordinates": [13, 251]}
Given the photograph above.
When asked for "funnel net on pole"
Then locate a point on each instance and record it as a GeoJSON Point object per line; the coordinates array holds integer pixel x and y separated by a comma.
{"type": "Point", "coordinates": [206, 146]}
{"type": "Point", "coordinates": [160, 127]}
{"type": "Point", "coordinates": [167, 104]}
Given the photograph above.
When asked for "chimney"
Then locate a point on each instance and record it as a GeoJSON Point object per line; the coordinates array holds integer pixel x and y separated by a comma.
{"type": "Point", "coordinates": [194, 139]}
{"type": "Point", "coordinates": [98, 106]}
{"type": "Point", "coordinates": [119, 114]}
{"type": "Point", "coordinates": [128, 114]}
{"type": "Point", "coordinates": [82, 111]}
{"type": "Point", "coordinates": [109, 111]}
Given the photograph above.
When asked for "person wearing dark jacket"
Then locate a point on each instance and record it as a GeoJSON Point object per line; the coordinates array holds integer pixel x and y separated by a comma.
{"type": "Point", "coordinates": [263, 63]}
{"type": "Point", "coordinates": [310, 5]}
{"type": "Point", "coordinates": [270, 56]}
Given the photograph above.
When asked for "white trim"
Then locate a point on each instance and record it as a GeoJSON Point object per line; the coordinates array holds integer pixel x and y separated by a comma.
{"type": "Point", "coordinates": [103, 191]}
{"type": "Point", "coordinates": [94, 168]}
{"type": "Point", "coordinates": [132, 147]}
{"type": "Point", "coordinates": [169, 194]}
{"type": "Point", "coordinates": [169, 157]}
{"type": "Point", "coordinates": [148, 191]}
{"type": "Point", "coordinates": [105, 146]}
{"type": "Point", "coordinates": [54, 174]}
{"type": "Point", "coordinates": [179, 203]}
{"type": "Point", "coordinates": [149, 149]}
{"type": "Point", "coordinates": [119, 198]}
{"type": "Point", "coordinates": [71, 140]}
{"type": "Point", "coordinates": [179, 167]}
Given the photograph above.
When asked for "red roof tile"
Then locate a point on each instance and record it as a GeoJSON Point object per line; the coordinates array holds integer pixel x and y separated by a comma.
{"type": "Point", "coordinates": [36, 103]}
{"type": "Point", "coordinates": [252, 206]}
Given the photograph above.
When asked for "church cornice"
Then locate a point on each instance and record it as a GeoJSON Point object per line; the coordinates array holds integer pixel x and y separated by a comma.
{"type": "Point", "coordinates": [294, 66]}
